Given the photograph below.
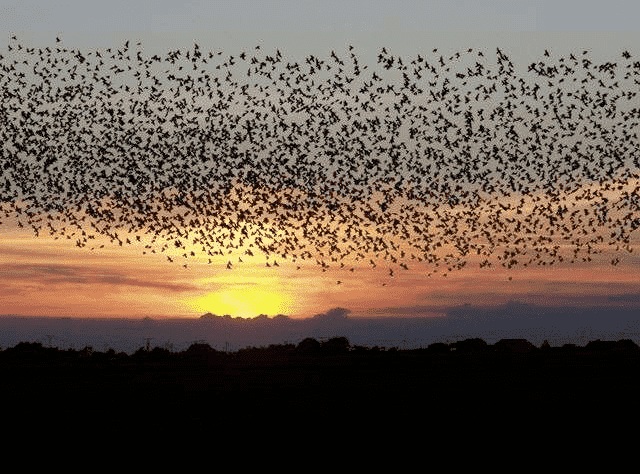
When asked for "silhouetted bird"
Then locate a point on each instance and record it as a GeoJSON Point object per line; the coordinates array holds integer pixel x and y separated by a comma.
{"type": "Point", "coordinates": [441, 159]}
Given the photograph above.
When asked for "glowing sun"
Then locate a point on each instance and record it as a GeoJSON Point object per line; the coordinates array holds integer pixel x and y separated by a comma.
{"type": "Point", "coordinates": [245, 302]}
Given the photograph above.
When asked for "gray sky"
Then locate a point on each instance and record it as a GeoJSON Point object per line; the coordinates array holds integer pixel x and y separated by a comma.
{"type": "Point", "coordinates": [92, 16]}
{"type": "Point", "coordinates": [300, 27]}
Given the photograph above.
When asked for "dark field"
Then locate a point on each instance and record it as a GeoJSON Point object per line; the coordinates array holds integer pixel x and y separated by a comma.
{"type": "Point", "coordinates": [329, 383]}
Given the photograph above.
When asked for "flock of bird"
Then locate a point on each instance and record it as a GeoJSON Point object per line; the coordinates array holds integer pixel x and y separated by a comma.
{"type": "Point", "coordinates": [444, 159]}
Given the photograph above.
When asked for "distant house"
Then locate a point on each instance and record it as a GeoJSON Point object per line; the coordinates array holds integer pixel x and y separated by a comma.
{"type": "Point", "coordinates": [474, 344]}
{"type": "Point", "coordinates": [519, 346]}
{"type": "Point", "coordinates": [439, 348]}
{"type": "Point", "coordinates": [621, 345]}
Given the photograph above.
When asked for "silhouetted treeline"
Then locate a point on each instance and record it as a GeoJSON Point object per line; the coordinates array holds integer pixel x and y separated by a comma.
{"type": "Point", "coordinates": [313, 346]}
{"type": "Point", "coordinates": [331, 381]}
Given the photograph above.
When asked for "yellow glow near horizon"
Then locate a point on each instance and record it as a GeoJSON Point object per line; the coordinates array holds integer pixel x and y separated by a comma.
{"type": "Point", "coordinates": [245, 302]}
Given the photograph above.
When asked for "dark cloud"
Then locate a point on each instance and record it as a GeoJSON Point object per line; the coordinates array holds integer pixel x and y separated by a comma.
{"type": "Point", "coordinates": [626, 298]}
{"type": "Point", "coordinates": [333, 314]}
{"type": "Point", "coordinates": [82, 275]}
{"type": "Point", "coordinates": [557, 325]}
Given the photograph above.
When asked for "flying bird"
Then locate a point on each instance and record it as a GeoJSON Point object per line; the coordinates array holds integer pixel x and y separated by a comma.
{"type": "Point", "coordinates": [446, 160]}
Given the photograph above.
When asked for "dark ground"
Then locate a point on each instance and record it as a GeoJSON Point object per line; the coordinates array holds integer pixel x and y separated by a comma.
{"type": "Point", "coordinates": [330, 384]}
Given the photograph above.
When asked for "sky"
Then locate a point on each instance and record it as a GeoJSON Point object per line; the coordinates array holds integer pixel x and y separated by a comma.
{"type": "Point", "coordinates": [49, 275]}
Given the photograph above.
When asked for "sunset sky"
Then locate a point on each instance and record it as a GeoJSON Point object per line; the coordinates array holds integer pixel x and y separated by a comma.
{"type": "Point", "coordinates": [49, 275]}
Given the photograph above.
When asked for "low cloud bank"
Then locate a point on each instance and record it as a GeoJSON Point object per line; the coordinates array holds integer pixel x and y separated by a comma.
{"type": "Point", "coordinates": [557, 325]}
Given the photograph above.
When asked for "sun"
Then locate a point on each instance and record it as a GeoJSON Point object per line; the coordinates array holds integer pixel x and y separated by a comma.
{"type": "Point", "coordinates": [244, 302]}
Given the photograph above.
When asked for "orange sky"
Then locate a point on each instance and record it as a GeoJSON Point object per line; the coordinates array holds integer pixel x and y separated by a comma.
{"type": "Point", "coordinates": [53, 277]}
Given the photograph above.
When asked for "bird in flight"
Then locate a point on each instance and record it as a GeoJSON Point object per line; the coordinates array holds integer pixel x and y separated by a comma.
{"type": "Point", "coordinates": [442, 160]}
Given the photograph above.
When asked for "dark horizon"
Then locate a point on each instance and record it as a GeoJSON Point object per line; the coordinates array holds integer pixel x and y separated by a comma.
{"type": "Point", "coordinates": [514, 320]}
{"type": "Point", "coordinates": [510, 383]}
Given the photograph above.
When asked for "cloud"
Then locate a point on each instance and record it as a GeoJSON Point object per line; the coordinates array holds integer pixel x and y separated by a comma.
{"type": "Point", "coordinates": [626, 298]}
{"type": "Point", "coordinates": [536, 322]}
{"type": "Point", "coordinates": [56, 274]}
{"type": "Point", "coordinates": [334, 314]}
{"type": "Point", "coordinates": [557, 325]}
{"type": "Point", "coordinates": [412, 311]}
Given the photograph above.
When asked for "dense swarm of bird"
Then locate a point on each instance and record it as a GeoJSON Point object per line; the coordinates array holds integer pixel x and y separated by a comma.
{"type": "Point", "coordinates": [435, 158]}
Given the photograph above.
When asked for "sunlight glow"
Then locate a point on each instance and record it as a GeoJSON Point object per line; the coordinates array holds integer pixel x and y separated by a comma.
{"type": "Point", "coordinates": [244, 302]}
